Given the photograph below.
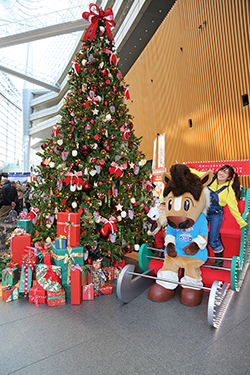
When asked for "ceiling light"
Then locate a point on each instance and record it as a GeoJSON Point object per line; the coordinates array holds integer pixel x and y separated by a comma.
{"type": "Point", "coordinates": [146, 31]}
{"type": "Point", "coordinates": [134, 46]}
{"type": "Point", "coordinates": [130, 52]}
{"type": "Point", "coordinates": [152, 21]}
{"type": "Point", "coordinates": [140, 38]}
{"type": "Point", "coordinates": [160, 10]}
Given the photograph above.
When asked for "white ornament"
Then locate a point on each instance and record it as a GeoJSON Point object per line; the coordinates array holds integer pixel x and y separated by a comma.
{"type": "Point", "coordinates": [86, 171]}
{"type": "Point", "coordinates": [72, 188]}
{"type": "Point", "coordinates": [92, 172]}
{"type": "Point", "coordinates": [119, 218]}
{"type": "Point", "coordinates": [84, 61]}
{"type": "Point", "coordinates": [79, 187]}
{"type": "Point", "coordinates": [95, 111]}
{"type": "Point", "coordinates": [123, 214]}
{"type": "Point", "coordinates": [60, 142]}
{"type": "Point", "coordinates": [132, 200]}
{"type": "Point", "coordinates": [137, 247]}
{"type": "Point", "coordinates": [51, 164]}
{"type": "Point", "coordinates": [74, 204]}
{"type": "Point", "coordinates": [74, 153]}
{"type": "Point", "coordinates": [101, 65]}
{"type": "Point", "coordinates": [102, 29]}
{"type": "Point", "coordinates": [108, 117]}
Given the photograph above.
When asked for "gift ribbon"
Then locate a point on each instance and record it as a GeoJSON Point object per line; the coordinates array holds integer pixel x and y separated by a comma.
{"type": "Point", "coordinates": [10, 298]}
{"type": "Point", "coordinates": [87, 269]}
{"type": "Point", "coordinates": [35, 298]}
{"type": "Point", "coordinates": [94, 16]}
{"type": "Point", "coordinates": [87, 288]}
{"type": "Point", "coordinates": [68, 259]}
{"type": "Point", "coordinates": [51, 274]}
{"type": "Point", "coordinates": [6, 274]}
{"type": "Point", "coordinates": [98, 290]}
{"type": "Point", "coordinates": [26, 265]}
{"type": "Point", "coordinates": [67, 227]}
{"type": "Point", "coordinates": [61, 237]}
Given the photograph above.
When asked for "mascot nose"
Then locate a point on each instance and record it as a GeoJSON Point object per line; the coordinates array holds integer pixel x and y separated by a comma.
{"type": "Point", "coordinates": [179, 222]}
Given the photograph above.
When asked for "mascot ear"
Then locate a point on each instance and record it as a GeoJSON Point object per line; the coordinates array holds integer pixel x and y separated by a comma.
{"type": "Point", "coordinates": [206, 178]}
{"type": "Point", "coordinates": [165, 177]}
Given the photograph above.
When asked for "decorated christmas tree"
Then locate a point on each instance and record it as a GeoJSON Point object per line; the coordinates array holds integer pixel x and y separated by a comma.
{"type": "Point", "coordinates": [92, 163]}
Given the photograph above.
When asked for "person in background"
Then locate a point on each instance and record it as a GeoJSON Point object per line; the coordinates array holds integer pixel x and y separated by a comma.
{"type": "Point", "coordinates": [9, 196]}
{"type": "Point", "coordinates": [20, 193]}
{"type": "Point", "coordinates": [27, 196]}
{"type": "Point", "coordinates": [224, 189]}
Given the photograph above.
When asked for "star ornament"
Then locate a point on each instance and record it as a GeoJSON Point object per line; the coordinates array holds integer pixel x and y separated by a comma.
{"type": "Point", "coordinates": [95, 111]}
{"type": "Point", "coordinates": [119, 207]}
{"type": "Point", "coordinates": [131, 165]}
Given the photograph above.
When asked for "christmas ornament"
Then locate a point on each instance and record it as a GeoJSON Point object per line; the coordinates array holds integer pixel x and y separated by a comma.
{"type": "Point", "coordinates": [64, 155]}
{"type": "Point", "coordinates": [112, 109]}
{"type": "Point", "coordinates": [72, 188]}
{"type": "Point", "coordinates": [123, 214]}
{"type": "Point", "coordinates": [131, 214]}
{"type": "Point", "coordinates": [136, 247]}
{"type": "Point", "coordinates": [60, 142]}
{"type": "Point", "coordinates": [51, 164]}
{"type": "Point", "coordinates": [43, 145]}
{"type": "Point", "coordinates": [74, 204]}
{"type": "Point", "coordinates": [74, 153]}
{"type": "Point", "coordinates": [86, 187]}
{"type": "Point", "coordinates": [108, 117]}
{"type": "Point", "coordinates": [85, 150]}
{"type": "Point", "coordinates": [84, 61]}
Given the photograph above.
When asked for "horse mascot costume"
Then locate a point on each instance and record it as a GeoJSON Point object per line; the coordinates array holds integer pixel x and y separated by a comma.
{"type": "Point", "coordinates": [187, 199]}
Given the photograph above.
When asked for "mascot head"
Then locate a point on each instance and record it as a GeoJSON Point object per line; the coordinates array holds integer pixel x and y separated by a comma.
{"type": "Point", "coordinates": [185, 196]}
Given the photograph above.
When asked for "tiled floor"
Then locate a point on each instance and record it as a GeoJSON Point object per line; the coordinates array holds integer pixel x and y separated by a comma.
{"type": "Point", "coordinates": [105, 336]}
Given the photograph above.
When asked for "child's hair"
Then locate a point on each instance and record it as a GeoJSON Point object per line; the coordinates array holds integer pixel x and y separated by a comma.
{"type": "Point", "coordinates": [231, 175]}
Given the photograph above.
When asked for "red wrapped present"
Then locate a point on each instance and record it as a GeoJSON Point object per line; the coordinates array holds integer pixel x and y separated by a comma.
{"type": "Point", "coordinates": [88, 292]}
{"type": "Point", "coordinates": [37, 295]}
{"type": "Point", "coordinates": [10, 293]}
{"type": "Point", "coordinates": [86, 274]}
{"type": "Point", "coordinates": [18, 244]}
{"type": "Point", "coordinates": [110, 272]}
{"type": "Point", "coordinates": [75, 274]}
{"type": "Point", "coordinates": [47, 258]}
{"type": "Point", "coordinates": [106, 289]}
{"type": "Point", "coordinates": [56, 298]}
{"type": "Point", "coordinates": [68, 224]}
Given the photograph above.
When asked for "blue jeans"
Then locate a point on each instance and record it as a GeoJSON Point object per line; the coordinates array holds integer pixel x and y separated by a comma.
{"type": "Point", "coordinates": [215, 221]}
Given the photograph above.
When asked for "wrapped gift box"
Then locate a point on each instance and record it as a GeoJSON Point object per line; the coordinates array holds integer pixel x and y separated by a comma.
{"type": "Point", "coordinates": [88, 292]}
{"type": "Point", "coordinates": [68, 224]}
{"type": "Point", "coordinates": [26, 277]}
{"type": "Point", "coordinates": [66, 258]}
{"type": "Point", "coordinates": [106, 289]}
{"type": "Point", "coordinates": [18, 244]}
{"type": "Point", "coordinates": [76, 291]}
{"type": "Point", "coordinates": [61, 242]}
{"type": "Point", "coordinates": [110, 272]}
{"type": "Point", "coordinates": [25, 224]}
{"type": "Point", "coordinates": [56, 298]}
{"type": "Point", "coordinates": [9, 276]}
{"type": "Point", "coordinates": [86, 274]}
{"type": "Point", "coordinates": [99, 277]}
{"type": "Point", "coordinates": [47, 258]}
{"type": "Point", "coordinates": [49, 277]}
{"type": "Point", "coordinates": [10, 293]}
{"type": "Point", "coordinates": [37, 295]}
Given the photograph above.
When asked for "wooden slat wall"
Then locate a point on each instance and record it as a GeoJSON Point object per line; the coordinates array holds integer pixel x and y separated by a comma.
{"type": "Point", "coordinates": [204, 82]}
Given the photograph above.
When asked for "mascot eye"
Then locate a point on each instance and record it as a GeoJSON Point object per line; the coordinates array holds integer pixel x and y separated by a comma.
{"type": "Point", "coordinates": [186, 205]}
{"type": "Point", "coordinates": [170, 203]}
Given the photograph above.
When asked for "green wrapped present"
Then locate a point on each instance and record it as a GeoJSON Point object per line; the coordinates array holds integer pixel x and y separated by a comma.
{"type": "Point", "coordinates": [9, 276]}
{"type": "Point", "coordinates": [26, 277]}
{"type": "Point", "coordinates": [49, 277]}
{"type": "Point", "coordinates": [66, 258]}
{"type": "Point", "coordinates": [25, 224]}
{"type": "Point", "coordinates": [67, 289]}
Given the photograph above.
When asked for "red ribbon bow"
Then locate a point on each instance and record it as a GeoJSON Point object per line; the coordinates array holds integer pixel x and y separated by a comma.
{"type": "Point", "coordinates": [126, 92]}
{"type": "Point", "coordinates": [52, 274]}
{"type": "Point", "coordinates": [109, 224]}
{"type": "Point", "coordinates": [117, 169]}
{"type": "Point", "coordinates": [74, 178]}
{"type": "Point", "coordinates": [94, 16]}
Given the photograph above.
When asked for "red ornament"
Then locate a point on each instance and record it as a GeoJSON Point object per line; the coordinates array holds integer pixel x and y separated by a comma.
{"type": "Point", "coordinates": [85, 150]}
{"type": "Point", "coordinates": [43, 163]}
{"type": "Point", "coordinates": [43, 145]}
{"type": "Point", "coordinates": [92, 122]}
{"type": "Point", "coordinates": [103, 73]}
{"type": "Point", "coordinates": [87, 188]}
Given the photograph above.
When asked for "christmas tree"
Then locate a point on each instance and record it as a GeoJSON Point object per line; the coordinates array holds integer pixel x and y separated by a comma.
{"type": "Point", "coordinates": [92, 163]}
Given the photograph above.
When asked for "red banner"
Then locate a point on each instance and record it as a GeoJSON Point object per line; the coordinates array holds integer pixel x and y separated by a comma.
{"type": "Point", "coordinates": [241, 167]}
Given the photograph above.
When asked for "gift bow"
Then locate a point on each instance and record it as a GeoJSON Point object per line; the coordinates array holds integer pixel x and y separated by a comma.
{"type": "Point", "coordinates": [117, 169]}
{"type": "Point", "coordinates": [22, 215]}
{"type": "Point", "coordinates": [74, 178]}
{"type": "Point", "coordinates": [94, 16]}
{"type": "Point", "coordinates": [109, 224]}
{"type": "Point", "coordinates": [76, 267]}
{"type": "Point", "coordinates": [50, 273]}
